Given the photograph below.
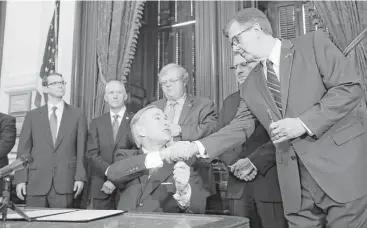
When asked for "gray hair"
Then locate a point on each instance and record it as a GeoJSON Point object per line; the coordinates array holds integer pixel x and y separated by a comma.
{"type": "Point", "coordinates": [169, 67]}
{"type": "Point", "coordinates": [135, 121]}
{"type": "Point", "coordinates": [250, 16]}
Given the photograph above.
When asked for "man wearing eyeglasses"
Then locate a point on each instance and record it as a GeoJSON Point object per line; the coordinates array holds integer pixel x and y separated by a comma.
{"type": "Point", "coordinates": [252, 166]}
{"type": "Point", "coordinates": [191, 118]}
{"type": "Point", "coordinates": [309, 97]}
{"type": "Point", "coordinates": [55, 136]}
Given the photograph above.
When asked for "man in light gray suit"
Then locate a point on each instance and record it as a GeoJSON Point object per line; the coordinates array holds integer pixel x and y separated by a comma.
{"type": "Point", "coordinates": [55, 136]}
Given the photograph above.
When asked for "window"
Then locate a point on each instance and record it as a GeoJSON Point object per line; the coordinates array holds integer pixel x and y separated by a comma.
{"type": "Point", "coordinates": [295, 19]}
{"type": "Point", "coordinates": [176, 37]}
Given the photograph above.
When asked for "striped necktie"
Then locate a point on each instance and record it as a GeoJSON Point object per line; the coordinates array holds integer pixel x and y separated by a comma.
{"type": "Point", "coordinates": [274, 85]}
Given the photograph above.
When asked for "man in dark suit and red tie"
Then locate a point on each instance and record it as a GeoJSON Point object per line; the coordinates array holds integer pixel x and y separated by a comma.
{"type": "Point", "coordinates": [152, 185]}
{"type": "Point", "coordinates": [248, 192]}
{"type": "Point", "coordinates": [317, 122]}
{"type": "Point", "coordinates": [55, 136]}
{"type": "Point", "coordinates": [107, 134]}
{"type": "Point", "coordinates": [8, 134]}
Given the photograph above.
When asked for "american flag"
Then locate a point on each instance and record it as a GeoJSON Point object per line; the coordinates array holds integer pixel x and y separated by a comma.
{"type": "Point", "coordinates": [49, 55]}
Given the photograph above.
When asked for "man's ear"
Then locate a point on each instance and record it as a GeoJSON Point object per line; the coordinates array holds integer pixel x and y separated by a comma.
{"type": "Point", "coordinates": [141, 131]}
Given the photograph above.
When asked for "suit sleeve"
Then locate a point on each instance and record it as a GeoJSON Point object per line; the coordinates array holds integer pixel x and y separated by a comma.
{"type": "Point", "coordinates": [208, 120]}
{"type": "Point", "coordinates": [93, 154]}
{"type": "Point", "coordinates": [232, 135]}
{"type": "Point", "coordinates": [127, 169]}
{"type": "Point", "coordinates": [263, 158]}
{"type": "Point", "coordinates": [261, 150]}
{"type": "Point", "coordinates": [25, 146]}
{"type": "Point", "coordinates": [221, 117]}
{"type": "Point", "coordinates": [7, 136]}
{"type": "Point", "coordinates": [344, 90]}
{"type": "Point", "coordinates": [80, 174]}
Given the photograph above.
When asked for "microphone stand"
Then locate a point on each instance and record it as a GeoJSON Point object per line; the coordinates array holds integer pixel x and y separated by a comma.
{"type": "Point", "coordinates": [7, 203]}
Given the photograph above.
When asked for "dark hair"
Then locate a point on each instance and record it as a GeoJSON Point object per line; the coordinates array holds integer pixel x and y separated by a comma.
{"type": "Point", "coordinates": [252, 16]}
{"type": "Point", "coordinates": [45, 79]}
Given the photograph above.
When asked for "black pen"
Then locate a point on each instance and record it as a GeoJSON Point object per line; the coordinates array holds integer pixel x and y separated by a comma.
{"type": "Point", "coordinates": [270, 116]}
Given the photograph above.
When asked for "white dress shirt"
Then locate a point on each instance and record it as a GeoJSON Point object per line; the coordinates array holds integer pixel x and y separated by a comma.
{"type": "Point", "coordinates": [178, 108]}
{"type": "Point", "coordinates": [120, 114]}
{"type": "Point", "coordinates": [59, 111]}
{"type": "Point", "coordinates": [154, 160]}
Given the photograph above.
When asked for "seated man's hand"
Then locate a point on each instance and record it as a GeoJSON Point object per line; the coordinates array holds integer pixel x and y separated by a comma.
{"type": "Point", "coordinates": [21, 190]}
{"type": "Point", "coordinates": [108, 187]}
{"type": "Point", "coordinates": [181, 175]}
{"type": "Point", "coordinates": [244, 169]}
{"type": "Point", "coordinates": [178, 151]}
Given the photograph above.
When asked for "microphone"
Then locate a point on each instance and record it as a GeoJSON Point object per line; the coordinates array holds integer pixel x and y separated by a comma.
{"type": "Point", "coordinates": [19, 164]}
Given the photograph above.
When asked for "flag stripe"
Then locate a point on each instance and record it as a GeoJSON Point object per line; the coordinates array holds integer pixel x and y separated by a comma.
{"type": "Point", "coordinates": [50, 52]}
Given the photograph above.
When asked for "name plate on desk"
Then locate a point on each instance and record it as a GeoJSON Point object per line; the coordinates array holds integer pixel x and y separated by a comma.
{"type": "Point", "coordinates": [81, 216]}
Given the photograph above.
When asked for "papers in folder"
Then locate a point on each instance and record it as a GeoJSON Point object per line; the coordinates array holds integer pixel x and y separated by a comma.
{"type": "Point", "coordinates": [38, 213]}
{"type": "Point", "coordinates": [81, 216]}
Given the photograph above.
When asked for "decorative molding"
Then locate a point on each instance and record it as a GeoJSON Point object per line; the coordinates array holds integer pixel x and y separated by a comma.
{"type": "Point", "coordinates": [20, 102]}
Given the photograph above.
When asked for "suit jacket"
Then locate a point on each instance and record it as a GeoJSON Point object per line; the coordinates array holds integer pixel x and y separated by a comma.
{"type": "Point", "coordinates": [8, 134]}
{"type": "Point", "coordinates": [262, 156]}
{"type": "Point", "coordinates": [60, 164]}
{"type": "Point", "coordinates": [149, 194]}
{"type": "Point", "coordinates": [319, 86]}
{"type": "Point", "coordinates": [101, 148]}
{"type": "Point", "coordinates": [198, 119]}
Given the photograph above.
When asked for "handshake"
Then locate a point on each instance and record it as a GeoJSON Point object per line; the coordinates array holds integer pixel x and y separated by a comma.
{"type": "Point", "coordinates": [178, 151]}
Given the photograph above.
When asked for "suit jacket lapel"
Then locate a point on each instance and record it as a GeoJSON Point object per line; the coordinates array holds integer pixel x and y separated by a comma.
{"type": "Point", "coordinates": [263, 88]}
{"type": "Point", "coordinates": [47, 128]}
{"type": "Point", "coordinates": [157, 178]}
{"type": "Point", "coordinates": [107, 122]}
{"type": "Point", "coordinates": [186, 109]}
{"type": "Point", "coordinates": [285, 67]}
{"type": "Point", "coordinates": [64, 124]}
{"type": "Point", "coordinates": [123, 127]}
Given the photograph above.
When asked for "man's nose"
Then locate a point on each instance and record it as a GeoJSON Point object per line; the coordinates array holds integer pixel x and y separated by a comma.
{"type": "Point", "coordinates": [235, 48]}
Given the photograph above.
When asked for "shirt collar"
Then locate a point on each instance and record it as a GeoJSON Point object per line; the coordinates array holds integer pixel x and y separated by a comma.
{"type": "Point", "coordinates": [275, 53]}
{"type": "Point", "coordinates": [120, 114]}
{"type": "Point", "coordinates": [59, 106]}
{"type": "Point", "coordinates": [180, 101]}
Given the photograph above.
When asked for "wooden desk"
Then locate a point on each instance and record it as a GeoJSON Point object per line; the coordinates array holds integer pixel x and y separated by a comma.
{"type": "Point", "coordinates": [142, 220]}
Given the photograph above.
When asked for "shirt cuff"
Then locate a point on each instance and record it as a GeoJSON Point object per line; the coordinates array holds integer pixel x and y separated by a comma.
{"type": "Point", "coordinates": [105, 173]}
{"type": "Point", "coordinates": [183, 200]}
{"type": "Point", "coordinates": [253, 164]}
{"type": "Point", "coordinates": [308, 130]}
{"type": "Point", "coordinates": [153, 160]}
{"type": "Point", "coordinates": [202, 152]}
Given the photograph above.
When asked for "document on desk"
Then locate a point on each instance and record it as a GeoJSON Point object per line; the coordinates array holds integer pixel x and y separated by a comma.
{"type": "Point", "coordinates": [37, 213]}
{"type": "Point", "coordinates": [81, 216]}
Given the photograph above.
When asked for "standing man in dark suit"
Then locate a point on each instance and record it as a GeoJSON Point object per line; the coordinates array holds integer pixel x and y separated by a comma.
{"type": "Point", "coordinates": [152, 185]}
{"type": "Point", "coordinates": [8, 134]}
{"type": "Point", "coordinates": [55, 136]}
{"type": "Point", "coordinates": [265, 207]}
{"type": "Point", "coordinates": [108, 133]}
{"type": "Point", "coordinates": [191, 118]}
{"type": "Point", "coordinates": [308, 95]}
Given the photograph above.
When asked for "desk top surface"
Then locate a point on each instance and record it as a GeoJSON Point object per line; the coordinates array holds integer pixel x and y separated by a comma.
{"type": "Point", "coordinates": [141, 220]}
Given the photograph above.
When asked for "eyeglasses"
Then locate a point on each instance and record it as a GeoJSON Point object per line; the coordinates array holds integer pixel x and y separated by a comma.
{"type": "Point", "coordinates": [235, 39]}
{"type": "Point", "coordinates": [171, 81]}
{"type": "Point", "coordinates": [234, 67]}
{"type": "Point", "coordinates": [63, 83]}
